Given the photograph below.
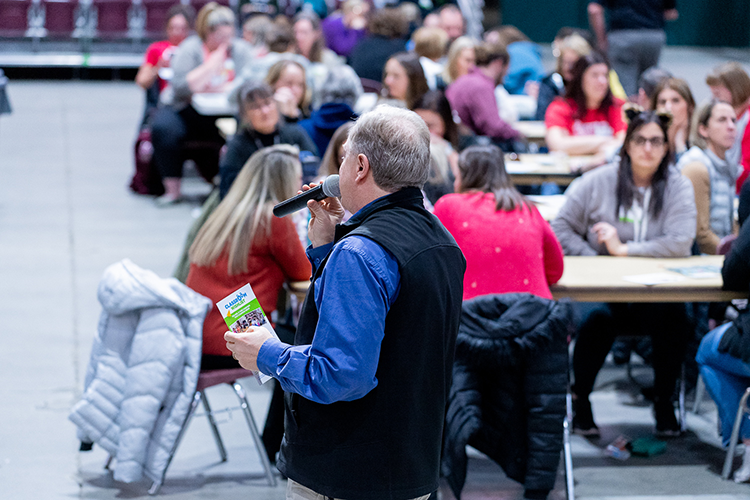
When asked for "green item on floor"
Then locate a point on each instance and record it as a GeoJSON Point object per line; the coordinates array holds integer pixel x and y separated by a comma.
{"type": "Point", "coordinates": [647, 447]}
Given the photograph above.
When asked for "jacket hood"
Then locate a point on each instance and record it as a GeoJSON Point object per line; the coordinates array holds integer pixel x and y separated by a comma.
{"type": "Point", "coordinates": [126, 287]}
{"type": "Point", "coordinates": [331, 116]}
{"type": "Point", "coordinates": [497, 329]}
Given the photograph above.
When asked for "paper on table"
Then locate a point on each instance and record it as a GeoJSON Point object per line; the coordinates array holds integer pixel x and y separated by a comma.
{"type": "Point", "coordinates": [654, 278]}
{"type": "Point", "coordinates": [698, 272]}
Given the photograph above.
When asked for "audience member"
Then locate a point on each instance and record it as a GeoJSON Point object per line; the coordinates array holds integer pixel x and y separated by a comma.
{"type": "Point", "coordinates": [343, 30]}
{"type": "Point", "coordinates": [403, 79]}
{"type": "Point", "coordinates": [430, 45]}
{"type": "Point", "coordinates": [242, 242]}
{"type": "Point", "coordinates": [569, 45]}
{"type": "Point", "coordinates": [472, 96]}
{"type": "Point", "coordinates": [334, 155]}
{"type": "Point", "coordinates": [525, 60]}
{"type": "Point", "coordinates": [712, 174]}
{"type": "Point", "coordinates": [202, 63]}
{"type": "Point", "coordinates": [461, 60]}
{"type": "Point", "coordinates": [339, 94]}
{"type": "Point", "coordinates": [452, 21]}
{"type": "Point", "coordinates": [634, 37]}
{"type": "Point", "coordinates": [507, 245]}
{"type": "Point", "coordinates": [434, 109]}
{"type": "Point", "coordinates": [730, 83]}
{"type": "Point", "coordinates": [588, 121]}
{"type": "Point", "coordinates": [647, 83]}
{"type": "Point", "coordinates": [155, 73]}
{"type": "Point", "coordinates": [309, 40]}
{"type": "Point", "coordinates": [256, 31]}
{"type": "Point", "coordinates": [636, 208]}
{"type": "Point", "coordinates": [387, 36]}
{"type": "Point", "coordinates": [724, 354]}
{"type": "Point", "coordinates": [673, 95]}
{"type": "Point", "coordinates": [288, 80]}
{"type": "Point", "coordinates": [260, 128]}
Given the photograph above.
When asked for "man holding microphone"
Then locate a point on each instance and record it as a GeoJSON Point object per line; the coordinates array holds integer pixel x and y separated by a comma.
{"type": "Point", "coordinates": [368, 378]}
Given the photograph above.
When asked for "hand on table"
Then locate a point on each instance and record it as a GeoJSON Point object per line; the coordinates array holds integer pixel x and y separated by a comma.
{"type": "Point", "coordinates": [246, 345]}
{"type": "Point", "coordinates": [325, 214]}
{"type": "Point", "coordinates": [607, 234]}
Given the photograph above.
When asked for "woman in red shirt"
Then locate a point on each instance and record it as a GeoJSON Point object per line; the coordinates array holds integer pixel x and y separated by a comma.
{"type": "Point", "coordinates": [242, 242]}
{"type": "Point", "coordinates": [588, 120]}
{"type": "Point", "coordinates": [507, 245]}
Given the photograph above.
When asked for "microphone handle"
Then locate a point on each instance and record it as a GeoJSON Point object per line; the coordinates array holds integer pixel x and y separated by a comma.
{"type": "Point", "coordinates": [299, 201]}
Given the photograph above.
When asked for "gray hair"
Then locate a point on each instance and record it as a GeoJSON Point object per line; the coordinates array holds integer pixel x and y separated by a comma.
{"type": "Point", "coordinates": [396, 142]}
{"type": "Point", "coordinates": [341, 85]}
{"type": "Point", "coordinates": [222, 16]}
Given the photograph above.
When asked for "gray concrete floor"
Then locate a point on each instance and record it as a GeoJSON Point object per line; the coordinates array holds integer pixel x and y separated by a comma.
{"type": "Point", "coordinates": [66, 214]}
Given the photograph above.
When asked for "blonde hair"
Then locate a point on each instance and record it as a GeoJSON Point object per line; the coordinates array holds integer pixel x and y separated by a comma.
{"type": "Point", "coordinates": [574, 42]}
{"type": "Point", "coordinates": [270, 175]}
{"type": "Point", "coordinates": [274, 73]}
{"type": "Point", "coordinates": [430, 42]}
{"type": "Point", "coordinates": [210, 17]}
{"type": "Point", "coordinates": [458, 45]}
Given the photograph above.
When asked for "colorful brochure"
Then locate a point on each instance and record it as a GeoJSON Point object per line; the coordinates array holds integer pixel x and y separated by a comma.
{"type": "Point", "coordinates": [240, 311]}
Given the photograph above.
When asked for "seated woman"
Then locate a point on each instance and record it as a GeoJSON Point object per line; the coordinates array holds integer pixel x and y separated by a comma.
{"type": "Point", "coordinates": [309, 42]}
{"type": "Point", "coordinates": [673, 95]}
{"type": "Point", "coordinates": [713, 175]}
{"type": "Point", "coordinates": [288, 81]}
{"type": "Point", "coordinates": [261, 127]}
{"type": "Point", "coordinates": [724, 353]}
{"type": "Point", "coordinates": [403, 80]}
{"type": "Point", "coordinates": [242, 242]}
{"type": "Point", "coordinates": [639, 208]}
{"type": "Point", "coordinates": [507, 245]}
{"type": "Point", "coordinates": [461, 60]}
{"type": "Point", "coordinates": [202, 63]}
{"type": "Point", "coordinates": [588, 121]}
{"type": "Point", "coordinates": [434, 109]}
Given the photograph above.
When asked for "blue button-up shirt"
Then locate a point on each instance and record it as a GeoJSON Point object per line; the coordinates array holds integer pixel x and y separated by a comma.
{"type": "Point", "coordinates": [353, 295]}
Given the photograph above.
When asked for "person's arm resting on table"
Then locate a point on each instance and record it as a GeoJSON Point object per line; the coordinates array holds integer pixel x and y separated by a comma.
{"type": "Point", "coordinates": [353, 296]}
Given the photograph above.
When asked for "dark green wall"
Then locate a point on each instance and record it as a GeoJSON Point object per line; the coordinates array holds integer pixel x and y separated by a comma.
{"type": "Point", "coordinates": [722, 23]}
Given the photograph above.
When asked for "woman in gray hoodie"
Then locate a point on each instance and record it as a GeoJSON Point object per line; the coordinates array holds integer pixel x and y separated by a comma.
{"type": "Point", "coordinates": [643, 208]}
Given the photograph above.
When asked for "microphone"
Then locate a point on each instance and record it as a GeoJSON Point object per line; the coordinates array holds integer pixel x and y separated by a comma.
{"type": "Point", "coordinates": [329, 188]}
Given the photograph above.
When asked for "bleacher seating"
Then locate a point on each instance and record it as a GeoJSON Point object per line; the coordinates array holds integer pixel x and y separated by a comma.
{"type": "Point", "coordinates": [14, 17]}
{"type": "Point", "coordinates": [60, 17]}
{"type": "Point", "coordinates": [112, 18]}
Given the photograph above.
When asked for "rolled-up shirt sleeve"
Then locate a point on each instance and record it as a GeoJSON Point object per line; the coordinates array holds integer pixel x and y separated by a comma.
{"type": "Point", "coordinates": [353, 296]}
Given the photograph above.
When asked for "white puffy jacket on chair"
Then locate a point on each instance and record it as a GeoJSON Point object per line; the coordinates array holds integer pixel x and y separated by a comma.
{"type": "Point", "coordinates": [143, 369]}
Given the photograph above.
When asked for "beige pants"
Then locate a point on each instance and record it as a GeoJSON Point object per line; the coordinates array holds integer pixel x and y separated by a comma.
{"type": "Point", "coordinates": [295, 491]}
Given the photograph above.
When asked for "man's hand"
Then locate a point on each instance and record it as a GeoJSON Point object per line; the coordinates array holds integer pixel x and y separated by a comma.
{"type": "Point", "coordinates": [607, 234]}
{"type": "Point", "coordinates": [325, 214]}
{"type": "Point", "coordinates": [246, 345]}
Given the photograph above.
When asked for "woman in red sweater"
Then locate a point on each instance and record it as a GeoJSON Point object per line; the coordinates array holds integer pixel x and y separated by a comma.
{"type": "Point", "coordinates": [507, 245]}
{"type": "Point", "coordinates": [242, 242]}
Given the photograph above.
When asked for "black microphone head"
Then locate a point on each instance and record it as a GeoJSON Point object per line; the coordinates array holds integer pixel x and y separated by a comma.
{"type": "Point", "coordinates": [331, 186]}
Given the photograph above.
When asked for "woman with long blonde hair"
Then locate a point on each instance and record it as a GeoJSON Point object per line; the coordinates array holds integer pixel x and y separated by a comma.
{"type": "Point", "coordinates": [242, 242]}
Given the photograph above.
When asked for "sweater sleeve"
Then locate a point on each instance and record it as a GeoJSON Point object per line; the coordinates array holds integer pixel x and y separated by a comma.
{"type": "Point", "coordinates": [287, 250]}
{"type": "Point", "coordinates": [553, 253]}
{"type": "Point", "coordinates": [697, 173]}
{"type": "Point", "coordinates": [679, 223]}
{"type": "Point", "coordinates": [570, 225]}
{"type": "Point", "coordinates": [484, 114]}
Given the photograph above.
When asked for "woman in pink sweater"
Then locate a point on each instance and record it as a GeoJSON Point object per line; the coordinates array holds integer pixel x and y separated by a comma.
{"type": "Point", "coordinates": [507, 245]}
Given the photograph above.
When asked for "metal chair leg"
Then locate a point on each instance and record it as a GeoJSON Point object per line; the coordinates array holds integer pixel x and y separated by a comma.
{"type": "Point", "coordinates": [741, 410]}
{"type": "Point", "coordinates": [214, 428]}
{"type": "Point", "coordinates": [567, 453]}
{"type": "Point", "coordinates": [240, 391]}
{"type": "Point", "coordinates": [156, 486]}
{"type": "Point", "coordinates": [108, 462]}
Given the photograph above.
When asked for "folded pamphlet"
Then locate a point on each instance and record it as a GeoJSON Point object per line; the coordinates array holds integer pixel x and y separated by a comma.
{"type": "Point", "coordinates": [241, 310]}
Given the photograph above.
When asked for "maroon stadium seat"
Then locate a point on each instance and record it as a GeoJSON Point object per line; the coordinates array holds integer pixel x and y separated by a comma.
{"type": "Point", "coordinates": [13, 16]}
{"type": "Point", "coordinates": [60, 16]}
{"type": "Point", "coordinates": [156, 16]}
{"type": "Point", "coordinates": [112, 17]}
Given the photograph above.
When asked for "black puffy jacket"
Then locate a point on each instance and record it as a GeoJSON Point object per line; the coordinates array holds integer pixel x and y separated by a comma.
{"type": "Point", "coordinates": [510, 378]}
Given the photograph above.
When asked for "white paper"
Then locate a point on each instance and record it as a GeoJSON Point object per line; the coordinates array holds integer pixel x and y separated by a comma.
{"type": "Point", "coordinates": [654, 278]}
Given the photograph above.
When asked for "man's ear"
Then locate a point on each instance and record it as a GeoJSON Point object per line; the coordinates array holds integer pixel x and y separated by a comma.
{"type": "Point", "coordinates": [363, 167]}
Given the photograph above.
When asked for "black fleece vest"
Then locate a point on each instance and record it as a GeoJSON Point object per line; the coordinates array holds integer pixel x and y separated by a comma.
{"type": "Point", "coordinates": [386, 445]}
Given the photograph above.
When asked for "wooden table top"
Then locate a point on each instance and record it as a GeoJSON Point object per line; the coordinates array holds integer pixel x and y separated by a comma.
{"type": "Point", "coordinates": [529, 169]}
{"type": "Point", "coordinates": [601, 279]}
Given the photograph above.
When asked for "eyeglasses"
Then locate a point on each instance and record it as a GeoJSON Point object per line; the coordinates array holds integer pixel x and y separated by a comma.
{"type": "Point", "coordinates": [261, 103]}
{"type": "Point", "coordinates": [640, 141]}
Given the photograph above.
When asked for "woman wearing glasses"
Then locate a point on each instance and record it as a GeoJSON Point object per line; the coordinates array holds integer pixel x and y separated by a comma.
{"type": "Point", "coordinates": [643, 208]}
